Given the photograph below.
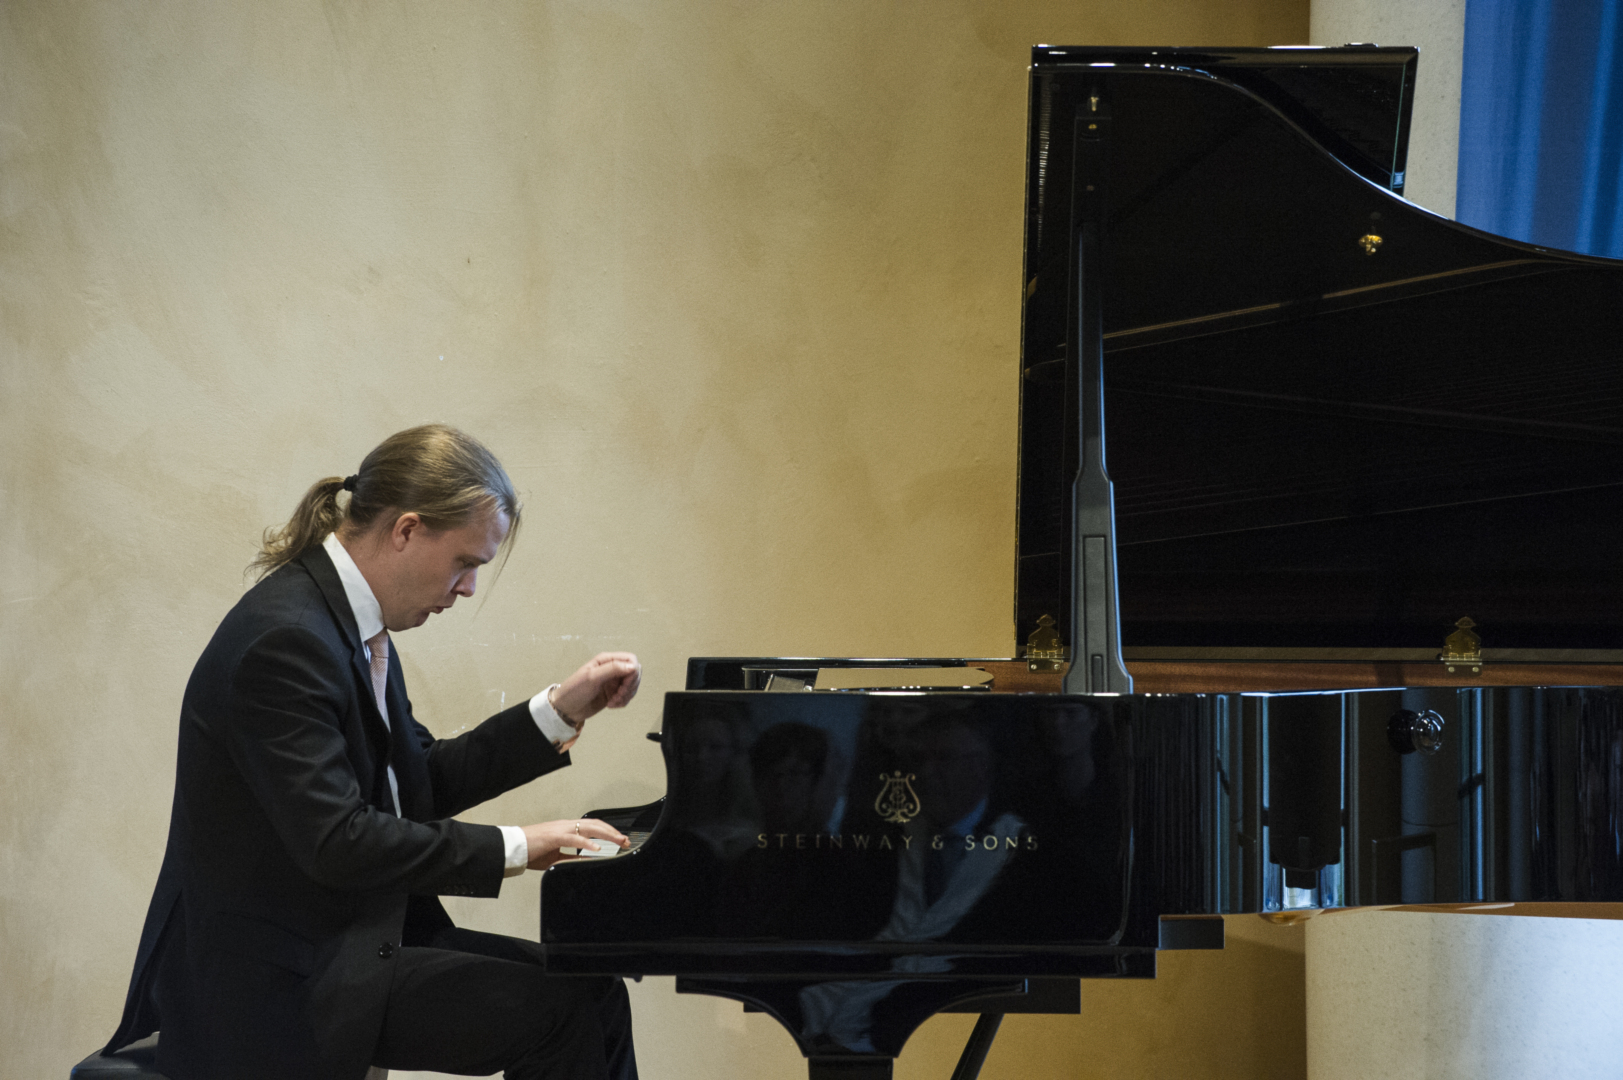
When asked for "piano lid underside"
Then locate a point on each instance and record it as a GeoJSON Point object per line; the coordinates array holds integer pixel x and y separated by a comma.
{"type": "Point", "coordinates": [1311, 445]}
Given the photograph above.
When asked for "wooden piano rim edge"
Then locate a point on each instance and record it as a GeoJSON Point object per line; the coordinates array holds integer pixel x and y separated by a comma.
{"type": "Point", "coordinates": [1242, 676]}
{"type": "Point", "coordinates": [1539, 909]}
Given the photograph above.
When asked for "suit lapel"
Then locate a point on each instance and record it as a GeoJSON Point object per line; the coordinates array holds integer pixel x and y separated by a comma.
{"type": "Point", "coordinates": [325, 575]}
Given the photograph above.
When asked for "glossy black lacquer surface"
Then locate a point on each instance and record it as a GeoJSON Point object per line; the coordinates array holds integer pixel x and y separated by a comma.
{"type": "Point", "coordinates": [853, 863]}
{"type": "Point", "coordinates": [871, 835]}
{"type": "Point", "coordinates": [1035, 835]}
{"type": "Point", "coordinates": [1310, 444]}
{"type": "Point", "coordinates": [1320, 800]}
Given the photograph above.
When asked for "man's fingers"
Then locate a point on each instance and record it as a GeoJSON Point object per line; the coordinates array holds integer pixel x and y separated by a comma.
{"type": "Point", "coordinates": [549, 840]}
{"type": "Point", "coordinates": [608, 680]}
{"type": "Point", "coordinates": [615, 670]}
{"type": "Point", "coordinates": [608, 665]}
{"type": "Point", "coordinates": [601, 830]}
{"type": "Point", "coordinates": [621, 685]}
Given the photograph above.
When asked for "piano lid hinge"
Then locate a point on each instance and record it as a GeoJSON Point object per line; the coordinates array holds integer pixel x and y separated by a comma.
{"type": "Point", "coordinates": [1044, 650]}
{"type": "Point", "coordinates": [1462, 650]}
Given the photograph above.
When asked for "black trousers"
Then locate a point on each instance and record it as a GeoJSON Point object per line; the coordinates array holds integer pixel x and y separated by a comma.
{"type": "Point", "coordinates": [477, 1004]}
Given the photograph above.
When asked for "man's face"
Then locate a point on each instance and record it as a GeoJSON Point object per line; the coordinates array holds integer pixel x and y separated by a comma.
{"type": "Point", "coordinates": [430, 568]}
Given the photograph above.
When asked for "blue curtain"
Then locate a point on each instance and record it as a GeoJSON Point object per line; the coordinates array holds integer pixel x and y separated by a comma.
{"type": "Point", "coordinates": [1541, 122]}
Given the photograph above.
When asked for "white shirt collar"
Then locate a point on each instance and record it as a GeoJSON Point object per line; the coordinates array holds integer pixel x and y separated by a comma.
{"type": "Point", "coordinates": [368, 615]}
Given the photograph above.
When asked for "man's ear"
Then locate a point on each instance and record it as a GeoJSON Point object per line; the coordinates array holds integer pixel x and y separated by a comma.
{"type": "Point", "coordinates": [406, 526]}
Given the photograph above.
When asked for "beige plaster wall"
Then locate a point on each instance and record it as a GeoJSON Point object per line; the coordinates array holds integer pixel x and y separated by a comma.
{"type": "Point", "coordinates": [1414, 995]}
{"type": "Point", "coordinates": [733, 288]}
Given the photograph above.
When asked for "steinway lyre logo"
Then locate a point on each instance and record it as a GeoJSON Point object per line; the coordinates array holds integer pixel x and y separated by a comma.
{"type": "Point", "coordinates": [897, 801]}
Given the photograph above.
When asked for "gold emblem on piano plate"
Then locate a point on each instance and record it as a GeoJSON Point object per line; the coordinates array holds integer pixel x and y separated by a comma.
{"type": "Point", "coordinates": [897, 801]}
{"type": "Point", "coordinates": [1044, 650]}
{"type": "Point", "coordinates": [1462, 648]}
{"type": "Point", "coordinates": [1370, 243]}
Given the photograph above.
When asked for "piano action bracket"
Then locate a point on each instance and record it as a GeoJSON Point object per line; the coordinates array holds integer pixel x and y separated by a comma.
{"type": "Point", "coordinates": [1096, 663]}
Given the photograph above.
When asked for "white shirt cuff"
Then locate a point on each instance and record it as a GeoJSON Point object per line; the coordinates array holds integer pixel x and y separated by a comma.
{"type": "Point", "coordinates": [555, 728]}
{"type": "Point", "coordinates": [518, 849]}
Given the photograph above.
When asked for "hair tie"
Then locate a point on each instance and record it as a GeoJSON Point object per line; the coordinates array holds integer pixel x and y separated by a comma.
{"type": "Point", "coordinates": [349, 482]}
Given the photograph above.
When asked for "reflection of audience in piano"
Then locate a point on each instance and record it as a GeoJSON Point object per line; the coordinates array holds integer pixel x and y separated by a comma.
{"type": "Point", "coordinates": [799, 775]}
{"type": "Point", "coordinates": [1078, 811]}
{"type": "Point", "coordinates": [715, 807]}
{"type": "Point", "coordinates": [971, 851]}
{"type": "Point", "coordinates": [708, 822]}
{"type": "Point", "coordinates": [797, 878]}
{"type": "Point", "coordinates": [945, 865]}
{"type": "Point", "coordinates": [1067, 733]}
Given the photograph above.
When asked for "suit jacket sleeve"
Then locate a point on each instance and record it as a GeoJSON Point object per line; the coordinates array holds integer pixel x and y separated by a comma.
{"type": "Point", "coordinates": [290, 700]}
{"type": "Point", "coordinates": [500, 754]}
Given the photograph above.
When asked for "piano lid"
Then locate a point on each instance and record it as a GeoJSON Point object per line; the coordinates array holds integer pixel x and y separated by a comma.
{"type": "Point", "coordinates": [1333, 419]}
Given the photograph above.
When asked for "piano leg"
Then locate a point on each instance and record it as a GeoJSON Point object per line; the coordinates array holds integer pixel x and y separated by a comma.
{"type": "Point", "coordinates": [980, 1041]}
{"type": "Point", "coordinates": [880, 1068]}
{"type": "Point", "coordinates": [849, 1068]}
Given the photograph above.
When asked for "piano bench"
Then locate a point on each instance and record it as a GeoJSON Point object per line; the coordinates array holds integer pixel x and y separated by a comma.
{"type": "Point", "coordinates": [134, 1062]}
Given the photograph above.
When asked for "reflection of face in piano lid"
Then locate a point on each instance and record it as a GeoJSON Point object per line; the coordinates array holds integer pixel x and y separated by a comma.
{"type": "Point", "coordinates": [1067, 733]}
{"type": "Point", "coordinates": [953, 762]}
{"type": "Point", "coordinates": [711, 794]}
{"type": "Point", "coordinates": [789, 765]}
{"type": "Point", "coordinates": [707, 751]}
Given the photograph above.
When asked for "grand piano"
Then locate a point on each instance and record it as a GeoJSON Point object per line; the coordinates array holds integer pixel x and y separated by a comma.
{"type": "Point", "coordinates": [1340, 624]}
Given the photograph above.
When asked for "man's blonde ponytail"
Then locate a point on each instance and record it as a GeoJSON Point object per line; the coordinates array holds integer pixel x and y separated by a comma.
{"type": "Point", "coordinates": [443, 475]}
{"type": "Point", "coordinates": [317, 514]}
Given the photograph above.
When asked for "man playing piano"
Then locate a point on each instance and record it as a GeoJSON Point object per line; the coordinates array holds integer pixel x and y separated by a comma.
{"type": "Point", "coordinates": [295, 929]}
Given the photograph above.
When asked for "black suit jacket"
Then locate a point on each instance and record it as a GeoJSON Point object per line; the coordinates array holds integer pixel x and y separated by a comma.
{"type": "Point", "coordinates": [283, 895]}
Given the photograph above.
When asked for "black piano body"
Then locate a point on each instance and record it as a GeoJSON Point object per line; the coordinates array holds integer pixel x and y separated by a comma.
{"type": "Point", "coordinates": [853, 862]}
{"type": "Point", "coordinates": [1336, 423]}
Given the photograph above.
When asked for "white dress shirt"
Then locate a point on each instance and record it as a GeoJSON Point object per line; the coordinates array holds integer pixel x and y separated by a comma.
{"type": "Point", "coordinates": [369, 621]}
